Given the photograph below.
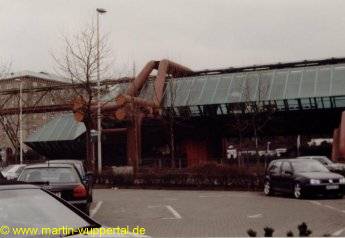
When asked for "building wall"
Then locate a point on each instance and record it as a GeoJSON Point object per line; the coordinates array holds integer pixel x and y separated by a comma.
{"type": "Point", "coordinates": [31, 121]}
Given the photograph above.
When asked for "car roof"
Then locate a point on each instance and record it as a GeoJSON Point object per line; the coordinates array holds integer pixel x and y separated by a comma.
{"type": "Point", "coordinates": [48, 165]}
{"type": "Point", "coordinates": [311, 156]}
{"type": "Point", "coordinates": [298, 159]}
{"type": "Point", "coordinates": [65, 161]}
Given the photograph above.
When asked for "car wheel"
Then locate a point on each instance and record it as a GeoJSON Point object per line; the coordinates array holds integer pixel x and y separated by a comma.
{"type": "Point", "coordinates": [268, 188]}
{"type": "Point", "coordinates": [297, 191]}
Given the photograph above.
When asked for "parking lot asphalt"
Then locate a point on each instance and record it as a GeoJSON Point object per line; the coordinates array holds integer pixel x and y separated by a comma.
{"type": "Point", "coordinates": [171, 213]}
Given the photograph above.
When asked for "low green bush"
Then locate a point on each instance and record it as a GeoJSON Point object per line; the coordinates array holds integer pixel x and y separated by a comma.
{"type": "Point", "coordinates": [210, 175]}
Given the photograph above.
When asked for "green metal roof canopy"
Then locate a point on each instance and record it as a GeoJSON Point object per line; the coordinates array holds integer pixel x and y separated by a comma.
{"type": "Point", "coordinates": [60, 138]}
{"type": "Point", "coordinates": [61, 128]}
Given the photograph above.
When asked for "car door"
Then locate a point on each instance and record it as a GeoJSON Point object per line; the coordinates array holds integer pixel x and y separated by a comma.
{"type": "Point", "coordinates": [286, 178]}
{"type": "Point", "coordinates": [274, 173]}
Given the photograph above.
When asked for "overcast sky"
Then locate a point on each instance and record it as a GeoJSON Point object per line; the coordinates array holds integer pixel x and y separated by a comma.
{"type": "Point", "coordinates": [201, 34]}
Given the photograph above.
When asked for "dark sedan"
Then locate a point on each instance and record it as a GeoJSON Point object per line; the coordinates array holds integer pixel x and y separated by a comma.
{"type": "Point", "coordinates": [302, 177]}
{"type": "Point", "coordinates": [61, 179]}
{"type": "Point", "coordinates": [87, 176]}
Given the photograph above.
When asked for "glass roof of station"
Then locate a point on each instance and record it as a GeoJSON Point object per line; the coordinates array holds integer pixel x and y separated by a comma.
{"type": "Point", "coordinates": [295, 88]}
{"type": "Point", "coordinates": [265, 85]}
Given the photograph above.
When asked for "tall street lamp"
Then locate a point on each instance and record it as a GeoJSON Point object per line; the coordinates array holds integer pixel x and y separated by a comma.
{"type": "Point", "coordinates": [20, 120]}
{"type": "Point", "coordinates": [99, 126]}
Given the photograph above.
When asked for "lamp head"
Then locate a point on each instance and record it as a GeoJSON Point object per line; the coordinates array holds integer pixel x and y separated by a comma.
{"type": "Point", "coordinates": [101, 10]}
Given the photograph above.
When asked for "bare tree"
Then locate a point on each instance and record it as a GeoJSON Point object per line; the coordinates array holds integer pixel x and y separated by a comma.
{"type": "Point", "coordinates": [78, 64]}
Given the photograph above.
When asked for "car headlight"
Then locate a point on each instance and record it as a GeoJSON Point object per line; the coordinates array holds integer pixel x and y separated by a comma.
{"type": "Point", "coordinates": [315, 181]}
{"type": "Point", "coordinates": [342, 180]}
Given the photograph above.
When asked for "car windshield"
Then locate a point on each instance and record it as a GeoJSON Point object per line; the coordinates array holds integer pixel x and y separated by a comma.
{"type": "Point", "coordinates": [51, 175]}
{"type": "Point", "coordinates": [308, 166]}
{"type": "Point", "coordinates": [15, 169]}
{"type": "Point", "coordinates": [8, 168]}
{"type": "Point", "coordinates": [34, 208]}
{"type": "Point", "coordinates": [324, 160]}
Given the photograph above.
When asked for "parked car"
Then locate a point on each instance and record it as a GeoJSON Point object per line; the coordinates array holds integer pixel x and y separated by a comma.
{"type": "Point", "coordinates": [12, 171]}
{"type": "Point", "coordinates": [302, 177]}
{"type": "Point", "coordinates": [29, 206]}
{"type": "Point", "coordinates": [332, 166]}
{"type": "Point", "coordinates": [61, 179]}
{"type": "Point", "coordinates": [87, 177]}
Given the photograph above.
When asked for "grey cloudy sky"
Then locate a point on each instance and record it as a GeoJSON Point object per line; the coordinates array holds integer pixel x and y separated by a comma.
{"type": "Point", "coordinates": [201, 34]}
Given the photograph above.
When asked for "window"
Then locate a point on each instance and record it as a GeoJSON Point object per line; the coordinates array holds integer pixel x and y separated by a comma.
{"type": "Point", "coordinates": [275, 167]}
{"type": "Point", "coordinates": [286, 167]}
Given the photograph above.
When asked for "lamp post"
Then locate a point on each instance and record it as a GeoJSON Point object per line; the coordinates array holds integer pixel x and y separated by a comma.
{"type": "Point", "coordinates": [20, 120]}
{"type": "Point", "coordinates": [99, 122]}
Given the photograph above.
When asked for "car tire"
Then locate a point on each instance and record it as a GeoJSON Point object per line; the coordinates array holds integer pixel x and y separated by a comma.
{"type": "Point", "coordinates": [268, 189]}
{"type": "Point", "coordinates": [297, 191]}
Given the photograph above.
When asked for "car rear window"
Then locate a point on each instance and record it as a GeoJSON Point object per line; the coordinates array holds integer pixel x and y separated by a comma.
{"type": "Point", "coordinates": [51, 175]}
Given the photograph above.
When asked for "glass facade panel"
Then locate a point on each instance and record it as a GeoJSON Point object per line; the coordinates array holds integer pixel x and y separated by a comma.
{"type": "Point", "coordinates": [196, 91]}
{"type": "Point", "coordinates": [209, 90]}
{"type": "Point", "coordinates": [293, 84]}
{"type": "Point", "coordinates": [222, 89]}
{"type": "Point", "coordinates": [182, 92]}
{"type": "Point", "coordinates": [147, 92]}
{"type": "Point", "coordinates": [323, 82]}
{"type": "Point", "coordinates": [250, 87]}
{"type": "Point", "coordinates": [338, 83]}
{"type": "Point", "coordinates": [264, 87]}
{"type": "Point", "coordinates": [170, 89]}
{"type": "Point", "coordinates": [236, 88]}
{"type": "Point", "coordinates": [278, 86]}
{"type": "Point", "coordinates": [280, 105]}
{"type": "Point", "coordinates": [308, 83]}
{"type": "Point", "coordinates": [306, 103]}
{"type": "Point", "coordinates": [339, 101]}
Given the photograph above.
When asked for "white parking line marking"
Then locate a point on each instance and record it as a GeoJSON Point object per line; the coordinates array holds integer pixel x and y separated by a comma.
{"type": "Point", "coordinates": [330, 207]}
{"type": "Point", "coordinates": [338, 232]}
{"type": "Point", "coordinates": [95, 210]}
{"type": "Point", "coordinates": [255, 216]}
{"type": "Point", "coordinates": [327, 206]}
{"type": "Point", "coordinates": [174, 212]}
{"type": "Point", "coordinates": [316, 203]}
{"type": "Point", "coordinates": [210, 196]}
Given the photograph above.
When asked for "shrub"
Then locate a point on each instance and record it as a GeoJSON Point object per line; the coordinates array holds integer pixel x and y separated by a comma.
{"type": "Point", "coordinates": [251, 233]}
{"type": "Point", "coordinates": [210, 175]}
